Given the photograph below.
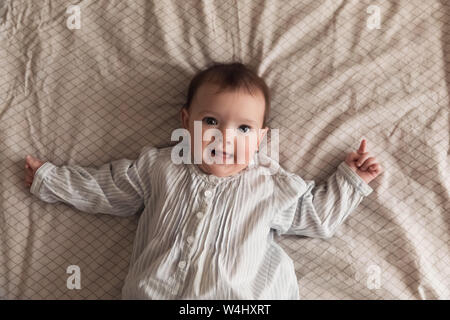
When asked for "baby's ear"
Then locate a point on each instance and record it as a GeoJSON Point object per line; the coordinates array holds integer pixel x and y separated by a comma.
{"type": "Point", "coordinates": [262, 133]}
{"type": "Point", "coordinates": [184, 113]}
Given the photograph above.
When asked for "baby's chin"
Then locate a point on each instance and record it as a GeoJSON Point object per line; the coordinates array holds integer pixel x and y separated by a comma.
{"type": "Point", "coordinates": [222, 170]}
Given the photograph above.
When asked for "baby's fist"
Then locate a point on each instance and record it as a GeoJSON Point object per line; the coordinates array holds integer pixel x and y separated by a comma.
{"type": "Point", "coordinates": [363, 164]}
{"type": "Point", "coordinates": [31, 166]}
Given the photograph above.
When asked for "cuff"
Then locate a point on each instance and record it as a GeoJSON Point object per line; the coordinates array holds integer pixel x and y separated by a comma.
{"type": "Point", "coordinates": [39, 176]}
{"type": "Point", "coordinates": [355, 179]}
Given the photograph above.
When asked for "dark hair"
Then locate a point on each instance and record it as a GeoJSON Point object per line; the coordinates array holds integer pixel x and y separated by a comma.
{"type": "Point", "coordinates": [232, 76]}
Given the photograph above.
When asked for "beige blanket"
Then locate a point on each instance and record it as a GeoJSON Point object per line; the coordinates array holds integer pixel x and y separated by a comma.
{"type": "Point", "coordinates": [338, 70]}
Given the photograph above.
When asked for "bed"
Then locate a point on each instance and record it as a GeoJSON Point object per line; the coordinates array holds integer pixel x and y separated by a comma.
{"type": "Point", "coordinates": [88, 82]}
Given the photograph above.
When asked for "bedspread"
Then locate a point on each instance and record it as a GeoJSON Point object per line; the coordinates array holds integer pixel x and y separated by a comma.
{"type": "Point", "coordinates": [88, 82]}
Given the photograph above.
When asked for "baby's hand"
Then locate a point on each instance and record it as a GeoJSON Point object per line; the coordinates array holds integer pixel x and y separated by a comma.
{"type": "Point", "coordinates": [31, 165]}
{"type": "Point", "coordinates": [365, 166]}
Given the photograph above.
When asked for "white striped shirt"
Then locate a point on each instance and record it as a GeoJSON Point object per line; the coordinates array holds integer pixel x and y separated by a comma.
{"type": "Point", "coordinates": [205, 237]}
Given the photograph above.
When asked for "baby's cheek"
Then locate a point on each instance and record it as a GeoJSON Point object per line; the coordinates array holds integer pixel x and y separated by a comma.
{"type": "Point", "coordinates": [247, 147]}
{"type": "Point", "coordinates": [252, 142]}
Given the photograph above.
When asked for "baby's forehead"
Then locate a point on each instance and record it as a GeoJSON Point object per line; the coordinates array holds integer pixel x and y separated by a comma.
{"type": "Point", "coordinates": [239, 105]}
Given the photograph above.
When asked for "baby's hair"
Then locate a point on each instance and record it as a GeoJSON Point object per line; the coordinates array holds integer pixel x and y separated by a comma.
{"type": "Point", "coordinates": [230, 76]}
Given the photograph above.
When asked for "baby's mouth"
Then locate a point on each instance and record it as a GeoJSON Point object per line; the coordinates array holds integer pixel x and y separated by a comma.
{"type": "Point", "coordinates": [221, 154]}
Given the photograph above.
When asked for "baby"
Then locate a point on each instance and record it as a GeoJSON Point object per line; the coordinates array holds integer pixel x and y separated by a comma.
{"type": "Point", "coordinates": [206, 229]}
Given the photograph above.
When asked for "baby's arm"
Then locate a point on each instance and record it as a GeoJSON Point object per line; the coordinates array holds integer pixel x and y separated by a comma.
{"type": "Point", "coordinates": [117, 188]}
{"type": "Point", "coordinates": [321, 209]}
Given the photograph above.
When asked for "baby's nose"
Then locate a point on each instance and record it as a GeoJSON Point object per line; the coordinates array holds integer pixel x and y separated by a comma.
{"type": "Point", "coordinates": [228, 135]}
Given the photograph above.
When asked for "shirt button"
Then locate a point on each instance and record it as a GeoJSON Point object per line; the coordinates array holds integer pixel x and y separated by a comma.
{"type": "Point", "coordinates": [208, 193]}
{"type": "Point", "coordinates": [182, 264]}
{"type": "Point", "coordinates": [190, 239]}
{"type": "Point", "coordinates": [199, 214]}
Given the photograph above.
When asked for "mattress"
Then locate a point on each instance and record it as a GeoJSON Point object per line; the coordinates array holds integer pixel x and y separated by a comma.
{"type": "Point", "coordinates": [96, 82]}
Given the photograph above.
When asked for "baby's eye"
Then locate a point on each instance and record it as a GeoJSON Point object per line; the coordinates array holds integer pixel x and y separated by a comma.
{"type": "Point", "coordinates": [244, 128]}
{"type": "Point", "coordinates": [210, 121]}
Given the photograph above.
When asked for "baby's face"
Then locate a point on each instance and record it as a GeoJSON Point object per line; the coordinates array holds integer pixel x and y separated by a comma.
{"type": "Point", "coordinates": [237, 115]}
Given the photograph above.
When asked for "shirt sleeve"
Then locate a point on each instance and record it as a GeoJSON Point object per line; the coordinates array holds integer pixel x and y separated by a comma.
{"type": "Point", "coordinates": [322, 208]}
{"type": "Point", "coordinates": [116, 188]}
